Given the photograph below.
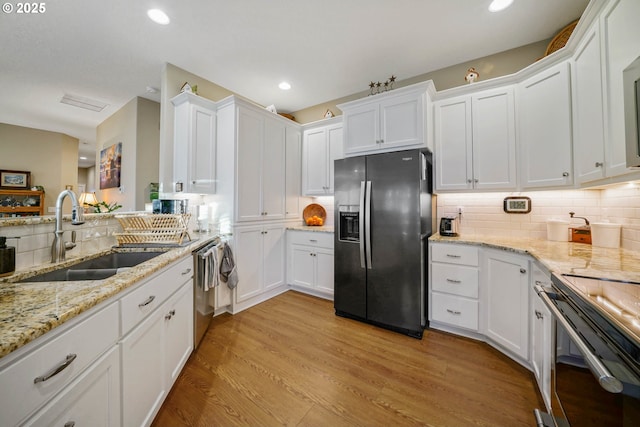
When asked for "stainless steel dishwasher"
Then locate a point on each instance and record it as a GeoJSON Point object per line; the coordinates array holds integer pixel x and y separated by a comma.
{"type": "Point", "coordinates": [205, 268]}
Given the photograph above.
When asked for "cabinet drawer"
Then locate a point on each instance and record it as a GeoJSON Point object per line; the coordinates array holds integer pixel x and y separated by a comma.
{"type": "Point", "coordinates": [149, 296]}
{"type": "Point", "coordinates": [20, 395]}
{"type": "Point", "coordinates": [455, 254]}
{"type": "Point", "coordinates": [454, 311]}
{"type": "Point", "coordinates": [311, 238]}
{"type": "Point", "coordinates": [454, 279]}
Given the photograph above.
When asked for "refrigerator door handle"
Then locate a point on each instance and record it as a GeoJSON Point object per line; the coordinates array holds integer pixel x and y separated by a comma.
{"type": "Point", "coordinates": [361, 224]}
{"type": "Point", "coordinates": [367, 224]}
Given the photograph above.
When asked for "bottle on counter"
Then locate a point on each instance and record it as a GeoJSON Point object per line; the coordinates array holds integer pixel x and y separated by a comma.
{"type": "Point", "coordinates": [7, 258]}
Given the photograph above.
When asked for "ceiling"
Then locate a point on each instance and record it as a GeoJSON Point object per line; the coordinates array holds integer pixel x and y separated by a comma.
{"type": "Point", "coordinates": [110, 51]}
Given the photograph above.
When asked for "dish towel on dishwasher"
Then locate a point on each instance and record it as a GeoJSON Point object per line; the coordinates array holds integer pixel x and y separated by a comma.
{"type": "Point", "coordinates": [211, 276]}
{"type": "Point", "coordinates": [228, 270]}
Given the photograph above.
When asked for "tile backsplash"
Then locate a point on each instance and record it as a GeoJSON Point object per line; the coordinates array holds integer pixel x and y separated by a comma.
{"type": "Point", "coordinates": [482, 213]}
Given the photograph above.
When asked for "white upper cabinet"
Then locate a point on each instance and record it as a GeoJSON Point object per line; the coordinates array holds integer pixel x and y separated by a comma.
{"type": "Point", "coordinates": [321, 146]}
{"type": "Point", "coordinates": [620, 34]}
{"type": "Point", "coordinates": [293, 159]}
{"type": "Point", "coordinates": [385, 122]}
{"type": "Point", "coordinates": [544, 129]}
{"type": "Point", "coordinates": [194, 145]}
{"type": "Point", "coordinates": [475, 141]}
{"type": "Point", "coordinates": [260, 170]}
{"type": "Point", "coordinates": [588, 117]}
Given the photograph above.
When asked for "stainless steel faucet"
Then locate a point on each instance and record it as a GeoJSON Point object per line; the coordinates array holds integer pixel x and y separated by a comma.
{"type": "Point", "coordinates": [59, 247]}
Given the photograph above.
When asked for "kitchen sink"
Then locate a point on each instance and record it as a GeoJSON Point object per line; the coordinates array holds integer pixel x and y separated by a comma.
{"type": "Point", "coordinates": [96, 268]}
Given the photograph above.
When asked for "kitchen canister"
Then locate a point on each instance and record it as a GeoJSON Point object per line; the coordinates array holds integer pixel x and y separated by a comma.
{"type": "Point", "coordinates": [558, 230]}
{"type": "Point", "coordinates": [605, 234]}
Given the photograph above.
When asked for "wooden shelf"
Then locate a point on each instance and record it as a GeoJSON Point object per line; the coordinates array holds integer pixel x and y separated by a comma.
{"type": "Point", "coordinates": [12, 203]}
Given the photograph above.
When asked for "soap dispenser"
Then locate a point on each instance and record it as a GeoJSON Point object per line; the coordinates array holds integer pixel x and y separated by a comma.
{"type": "Point", "coordinates": [7, 258]}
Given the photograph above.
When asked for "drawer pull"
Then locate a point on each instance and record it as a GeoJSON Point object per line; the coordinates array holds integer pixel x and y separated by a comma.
{"type": "Point", "coordinates": [187, 271]}
{"type": "Point", "coordinates": [147, 301]}
{"type": "Point", "coordinates": [169, 315]}
{"type": "Point", "coordinates": [538, 314]}
{"type": "Point", "coordinates": [454, 281]}
{"type": "Point", "coordinates": [70, 424]}
{"type": "Point", "coordinates": [453, 256]}
{"type": "Point", "coordinates": [55, 371]}
{"type": "Point", "coordinates": [313, 240]}
{"type": "Point", "coordinates": [456, 312]}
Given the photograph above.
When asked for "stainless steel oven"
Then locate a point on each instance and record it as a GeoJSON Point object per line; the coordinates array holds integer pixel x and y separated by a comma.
{"type": "Point", "coordinates": [596, 366]}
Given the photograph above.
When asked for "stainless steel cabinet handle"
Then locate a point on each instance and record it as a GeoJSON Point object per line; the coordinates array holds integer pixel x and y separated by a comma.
{"type": "Point", "coordinates": [69, 424]}
{"type": "Point", "coordinates": [169, 315]}
{"type": "Point", "coordinates": [55, 371]}
{"type": "Point", "coordinates": [187, 271]}
{"type": "Point", "coordinates": [313, 240]}
{"type": "Point", "coordinates": [538, 315]}
{"type": "Point", "coordinates": [147, 301]}
{"type": "Point", "coordinates": [523, 270]}
{"type": "Point", "coordinates": [453, 256]}
{"type": "Point", "coordinates": [456, 312]}
{"type": "Point", "coordinates": [475, 180]}
{"type": "Point", "coordinates": [599, 164]}
{"type": "Point", "coordinates": [469, 181]}
{"type": "Point", "coordinates": [565, 174]}
{"type": "Point", "coordinates": [605, 378]}
{"type": "Point", "coordinates": [454, 281]}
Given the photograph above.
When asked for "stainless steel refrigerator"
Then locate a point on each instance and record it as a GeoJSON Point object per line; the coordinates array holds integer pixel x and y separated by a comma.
{"type": "Point", "coordinates": [383, 218]}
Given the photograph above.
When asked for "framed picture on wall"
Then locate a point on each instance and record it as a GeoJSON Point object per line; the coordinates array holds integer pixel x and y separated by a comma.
{"type": "Point", "coordinates": [110, 164]}
{"type": "Point", "coordinates": [14, 179]}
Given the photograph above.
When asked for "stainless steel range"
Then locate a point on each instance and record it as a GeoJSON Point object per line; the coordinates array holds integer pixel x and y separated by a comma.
{"type": "Point", "coordinates": [596, 368]}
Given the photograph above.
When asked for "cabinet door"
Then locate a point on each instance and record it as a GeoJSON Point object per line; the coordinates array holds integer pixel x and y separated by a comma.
{"type": "Point", "coordinates": [143, 379]}
{"type": "Point", "coordinates": [273, 170]}
{"type": "Point", "coordinates": [336, 151]}
{"type": "Point", "coordinates": [541, 336]}
{"type": "Point", "coordinates": [324, 270]}
{"type": "Point", "coordinates": [302, 266]}
{"type": "Point", "coordinates": [454, 170]}
{"type": "Point", "coordinates": [202, 151]}
{"type": "Point", "coordinates": [249, 165]}
{"type": "Point", "coordinates": [91, 400]}
{"type": "Point", "coordinates": [494, 140]}
{"type": "Point", "coordinates": [402, 121]}
{"type": "Point", "coordinates": [293, 159]}
{"type": "Point", "coordinates": [248, 253]}
{"type": "Point", "coordinates": [178, 322]}
{"type": "Point", "coordinates": [544, 118]}
{"type": "Point", "coordinates": [316, 159]}
{"type": "Point", "coordinates": [505, 301]}
{"type": "Point", "coordinates": [362, 128]}
{"type": "Point", "coordinates": [273, 256]}
{"type": "Point", "coordinates": [588, 119]}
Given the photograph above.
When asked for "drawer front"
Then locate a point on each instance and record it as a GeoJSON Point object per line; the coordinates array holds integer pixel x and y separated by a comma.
{"type": "Point", "coordinates": [20, 394]}
{"type": "Point", "coordinates": [149, 296]}
{"type": "Point", "coordinates": [455, 311]}
{"type": "Point", "coordinates": [455, 279]}
{"type": "Point", "coordinates": [455, 254]}
{"type": "Point", "coordinates": [311, 238]}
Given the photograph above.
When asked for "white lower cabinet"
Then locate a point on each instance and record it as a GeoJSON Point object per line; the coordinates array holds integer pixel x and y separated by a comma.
{"type": "Point", "coordinates": [454, 286]}
{"type": "Point", "coordinates": [260, 257]}
{"type": "Point", "coordinates": [152, 356]}
{"type": "Point", "coordinates": [505, 301]}
{"type": "Point", "coordinates": [541, 335]}
{"type": "Point", "coordinates": [310, 262]}
{"type": "Point", "coordinates": [91, 400]}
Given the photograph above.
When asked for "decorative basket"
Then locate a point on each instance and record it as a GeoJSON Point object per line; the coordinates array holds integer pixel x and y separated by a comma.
{"type": "Point", "coordinates": [314, 210]}
{"type": "Point", "coordinates": [152, 228]}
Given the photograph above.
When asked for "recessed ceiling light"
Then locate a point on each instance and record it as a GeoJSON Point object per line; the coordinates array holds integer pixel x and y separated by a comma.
{"type": "Point", "coordinates": [83, 158]}
{"type": "Point", "coordinates": [284, 86]}
{"type": "Point", "coordinates": [158, 16]}
{"type": "Point", "coordinates": [498, 5]}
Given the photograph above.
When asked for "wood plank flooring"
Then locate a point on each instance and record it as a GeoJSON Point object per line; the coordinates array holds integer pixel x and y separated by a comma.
{"type": "Point", "coordinates": [291, 361]}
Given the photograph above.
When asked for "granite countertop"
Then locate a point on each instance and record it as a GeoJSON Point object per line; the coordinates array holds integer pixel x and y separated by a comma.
{"type": "Point", "coordinates": [314, 228]}
{"type": "Point", "coordinates": [563, 257]}
{"type": "Point", "coordinates": [29, 310]}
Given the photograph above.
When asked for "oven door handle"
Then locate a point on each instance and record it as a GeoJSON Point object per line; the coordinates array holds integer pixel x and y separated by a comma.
{"type": "Point", "coordinates": [606, 380]}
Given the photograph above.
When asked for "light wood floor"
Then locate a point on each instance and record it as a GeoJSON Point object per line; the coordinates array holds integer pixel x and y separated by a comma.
{"type": "Point", "coordinates": [291, 361]}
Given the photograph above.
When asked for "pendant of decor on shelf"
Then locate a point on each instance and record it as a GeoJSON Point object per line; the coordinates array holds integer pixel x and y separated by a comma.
{"type": "Point", "coordinates": [472, 75]}
{"type": "Point", "coordinates": [377, 87]}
